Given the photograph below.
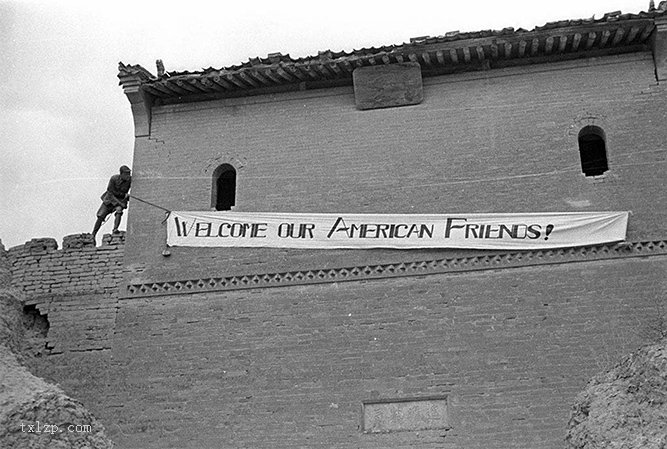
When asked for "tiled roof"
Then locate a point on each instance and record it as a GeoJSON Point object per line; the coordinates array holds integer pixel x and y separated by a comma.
{"type": "Point", "coordinates": [453, 52]}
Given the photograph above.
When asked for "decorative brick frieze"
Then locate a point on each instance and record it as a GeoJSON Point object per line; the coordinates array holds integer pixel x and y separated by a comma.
{"type": "Point", "coordinates": [399, 269]}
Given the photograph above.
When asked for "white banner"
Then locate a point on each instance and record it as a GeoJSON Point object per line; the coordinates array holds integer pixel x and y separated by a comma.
{"type": "Point", "coordinates": [358, 231]}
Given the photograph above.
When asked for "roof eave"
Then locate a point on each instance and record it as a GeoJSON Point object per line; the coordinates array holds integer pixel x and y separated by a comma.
{"type": "Point", "coordinates": [436, 56]}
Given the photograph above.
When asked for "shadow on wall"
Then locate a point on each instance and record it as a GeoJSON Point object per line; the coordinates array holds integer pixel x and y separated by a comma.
{"type": "Point", "coordinates": [36, 330]}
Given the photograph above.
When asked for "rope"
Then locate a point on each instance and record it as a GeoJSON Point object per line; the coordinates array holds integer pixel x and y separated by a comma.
{"type": "Point", "coordinates": [167, 212]}
{"type": "Point", "coordinates": [150, 204]}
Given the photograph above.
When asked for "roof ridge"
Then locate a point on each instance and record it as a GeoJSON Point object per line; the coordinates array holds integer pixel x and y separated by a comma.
{"type": "Point", "coordinates": [450, 36]}
{"type": "Point", "coordinates": [614, 32]}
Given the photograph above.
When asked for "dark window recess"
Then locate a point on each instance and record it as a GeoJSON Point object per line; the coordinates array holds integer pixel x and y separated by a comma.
{"type": "Point", "coordinates": [593, 151]}
{"type": "Point", "coordinates": [224, 187]}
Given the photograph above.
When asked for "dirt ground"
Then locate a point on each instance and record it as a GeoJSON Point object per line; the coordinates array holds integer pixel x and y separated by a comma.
{"type": "Point", "coordinates": [626, 407]}
{"type": "Point", "coordinates": [33, 413]}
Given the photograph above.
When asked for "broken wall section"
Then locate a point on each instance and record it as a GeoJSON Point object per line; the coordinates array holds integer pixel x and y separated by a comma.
{"type": "Point", "coordinates": [39, 268]}
{"type": "Point", "coordinates": [33, 412]}
{"type": "Point", "coordinates": [75, 287]}
{"type": "Point", "coordinates": [70, 296]}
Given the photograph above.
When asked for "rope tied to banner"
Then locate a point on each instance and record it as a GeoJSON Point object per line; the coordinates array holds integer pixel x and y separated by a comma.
{"type": "Point", "coordinates": [167, 212]}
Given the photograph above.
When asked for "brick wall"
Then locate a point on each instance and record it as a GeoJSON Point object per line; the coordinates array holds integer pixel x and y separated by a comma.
{"type": "Point", "coordinates": [39, 268]}
{"type": "Point", "coordinates": [76, 288]}
{"type": "Point", "coordinates": [497, 141]}
{"type": "Point", "coordinates": [289, 367]}
{"type": "Point", "coordinates": [507, 349]}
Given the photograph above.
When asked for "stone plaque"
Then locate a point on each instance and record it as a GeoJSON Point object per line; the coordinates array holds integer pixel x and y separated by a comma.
{"type": "Point", "coordinates": [385, 86]}
{"type": "Point", "coordinates": [405, 415]}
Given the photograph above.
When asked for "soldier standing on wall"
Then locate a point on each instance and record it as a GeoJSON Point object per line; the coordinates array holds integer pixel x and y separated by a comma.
{"type": "Point", "coordinates": [114, 199]}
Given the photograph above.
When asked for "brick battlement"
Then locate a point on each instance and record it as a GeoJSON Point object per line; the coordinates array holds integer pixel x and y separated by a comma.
{"type": "Point", "coordinates": [73, 291]}
{"type": "Point", "coordinates": [39, 268]}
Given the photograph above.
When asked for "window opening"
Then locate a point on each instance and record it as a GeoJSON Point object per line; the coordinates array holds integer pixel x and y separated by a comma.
{"type": "Point", "coordinates": [593, 151]}
{"type": "Point", "coordinates": [224, 187]}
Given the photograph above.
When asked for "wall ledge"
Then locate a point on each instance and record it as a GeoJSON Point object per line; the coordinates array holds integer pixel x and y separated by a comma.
{"type": "Point", "coordinates": [399, 269]}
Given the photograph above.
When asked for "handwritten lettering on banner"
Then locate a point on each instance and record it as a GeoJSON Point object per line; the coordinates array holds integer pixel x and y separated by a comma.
{"type": "Point", "coordinates": [330, 231]}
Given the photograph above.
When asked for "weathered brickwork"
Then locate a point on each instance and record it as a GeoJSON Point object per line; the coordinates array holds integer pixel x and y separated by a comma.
{"type": "Point", "coordinates": [509, 348]}
{"type": "Point", "coordinates": [289, 367]}
{"type": "Point", "coordinates": [502, 342]}
{"type": "Point", "coordinates": [76, 288]}
{"type": "Point", "coordinates": [498, 141]}
{"type": "Point", "coordinates": [39, 268]}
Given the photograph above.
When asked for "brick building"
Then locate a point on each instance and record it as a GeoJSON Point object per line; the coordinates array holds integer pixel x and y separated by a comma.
{"type": "Point", "coordinates": [268, 347]}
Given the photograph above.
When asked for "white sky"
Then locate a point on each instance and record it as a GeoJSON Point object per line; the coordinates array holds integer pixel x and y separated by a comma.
{"type": "Point", "coordinates": [66, 127]}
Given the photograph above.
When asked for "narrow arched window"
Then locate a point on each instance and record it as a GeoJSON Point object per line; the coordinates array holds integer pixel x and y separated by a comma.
{"type": "Point", "coordinates": [224, 187]}
{"type": "Point", "coordinates": [593, 151]}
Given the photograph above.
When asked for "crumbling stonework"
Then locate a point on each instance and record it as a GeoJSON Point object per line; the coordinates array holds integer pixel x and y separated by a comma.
{"type": "Point", "coordinates": [626, 407]}
{"type": "Point", "coordinates": [39, 268]}
{"type": "Point", "coordinates": [33, 412]}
